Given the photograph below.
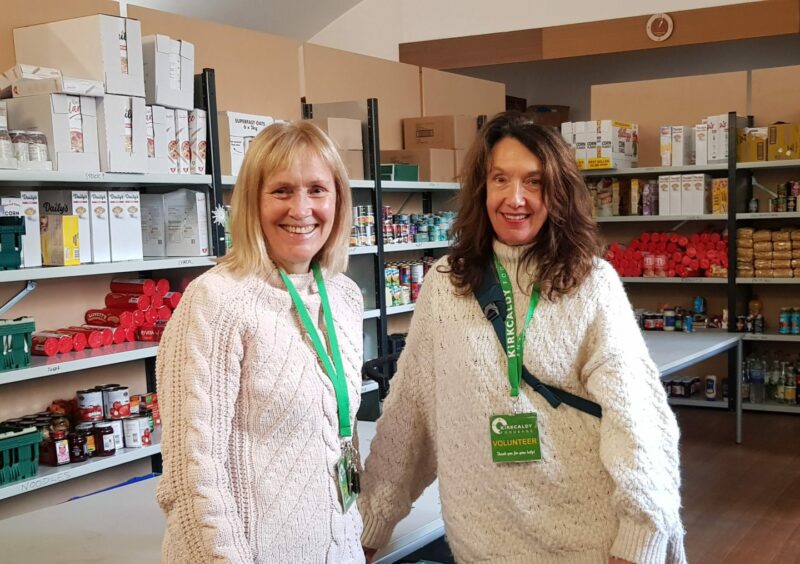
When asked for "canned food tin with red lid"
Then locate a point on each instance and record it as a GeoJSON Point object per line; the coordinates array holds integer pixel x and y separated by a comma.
{"type": "Point", "coordinates": [90, 405]}
{"type": "Point", "coordinates": [144, 286]}
{"type": "Point", "coordinates": [110, 317]}
{"type": "Point", "coordinates": [127, 301]}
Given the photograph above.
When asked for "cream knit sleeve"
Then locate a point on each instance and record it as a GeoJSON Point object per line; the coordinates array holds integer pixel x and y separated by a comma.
{"type": "Point", "coordinates": [638, 431]}
{"type": "Point", "coordinates": [402, 459]}
{"type": "Point", "coordinates": [198, 371]}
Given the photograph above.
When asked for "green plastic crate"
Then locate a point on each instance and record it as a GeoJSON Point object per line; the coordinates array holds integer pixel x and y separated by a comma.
{"type": "Point", "coordinates": [15, 335]}
{"type": "Point", "coordinates": [11, 231]}
{"type": "Point", "coordinates": [19, 453]}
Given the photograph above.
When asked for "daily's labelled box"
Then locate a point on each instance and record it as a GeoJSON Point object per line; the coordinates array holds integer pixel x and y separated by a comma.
{"type": "Point", "coordinates": [236, 130]}
{"type": "Point", "coordinates": [100, 47]}
{"type": "Point", "coordinates": [198, 139]}
{"type": "Point", "coordinates": [701, 143]}
{"type": "Point", "coordinates": [158, 131]}
{"type": "Point", "coordinates": [784, 142]}
{"type": "Point", "coordinates": [665, 143]}
{"type": "Point", "coordinates": [346, 133]}
{"type": "Point", "coordinates": [439, 132]}
{"type": "Point", "coordinates": [168, 71]}
{"type": "Point", "coordinates": [187, 223]}
{"type": "Point", "coordinates": [71, 202]}
{"type": "Point", "coordinates": [699, 193]}
{"type": "Point", "coordinates": [68, 122]}
{"type": "Point", "coordinates": [663, 195]}
{"type": "Point", "coordinates": [60, 246]}
{"type": "Point", "coordinates": [751, 144]}
{"type": "Point", "coordinates": [353, 163]}
{"type": "Point", "coordinates": [683, 148]}
{"type": "Point", "coordinates": [99, 220]}
{"type": "Point", "coordinates": [154, 225]}
{"type": "Point", "coordinates": [125, 225]}
{"type": "Point", "coordinates": [29, 210]}
{"type": "Point", "coordinates": [122, 133]}
{"type": "Point", "coordinates": [435, 165]}
{"type": "Point", "coordinates": [182, 139]}
{"type": "Point", "coordinates": [675, 194]}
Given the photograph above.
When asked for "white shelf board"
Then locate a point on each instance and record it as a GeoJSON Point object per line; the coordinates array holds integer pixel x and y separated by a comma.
{"type": "Point", "coordinates": [795, 163]}
{"type": "Point", "coordinates": [394, 310]}
{"type": "Point", "coordinates": [367, 250]}
{"type": "Point", "coordinates": [649, 170]}
{"type": "Point", "coordinates": [368, 386]}
{"type": "Point", "coordinates": [771, 337]}
{"type": "Point", "coordinates": [49, 475]}
{"type": "Point", "coordinates": [767, 280]}
{"type": "Point", "coordinates": [229, 181]}
{"type": "Point", "coordinates": [695, 280]}
{"type": "Point", "coordinates": [643, 218]}
{"type": "Point", "coordinates": [59, 177]}
{"type": "Point", "coordinates": [698, 402]}
{"type": "Point", "coordinates": [771, 407]}
{"type": "Point", "coordinates": [400, 247]}
{"type": "Point", "coordinates": [409, 186]}
{"type": "Point", "coordinates": [22, 274]}
{"type": "Point", "coordinates": [372, 313]}
{"type": "Point", "coordinates": [71, 362]}
{"type": "Point", "coordinates": [769, 215]}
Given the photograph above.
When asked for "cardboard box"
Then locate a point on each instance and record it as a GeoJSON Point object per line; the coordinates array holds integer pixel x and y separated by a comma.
{"type": "Point", "coordinates": [99, 47]}
{"type": "Point", "coordinates": [68, 122]}
{"type": "Point", "coordinates": [60, 246]}
{"type": "Point", "coordinates": [32, 239]}
{"type": "Point", "coordinates": [154, 225]}
{"type": "Point", "coordinates": [650, 198]}
{"type": "Point", "coordinates": [751, 144]}
{"type": "Point", "coordinates": [173, 153]}
{"type": "Point", "coordinates": [353, 163]}
{"type": "Point", "coordinates": [686, 194]}
{"type": "Point", "coordinates": [158, 131]}
{"type": "Point", "coordinates": [701, 144]}
{"type": "Point", "coordinates": [60, 85]}
{"type": "Point", "coordinates": [439, 132]}
{"type": "Point", "coordinates": [435, 165]}
{"type": "Point", "coordinates": [182, 138]}
{"type": "Point", "coordinates": [636, 196]}
{"type": "Point", "coordinates": [784, 142]}
{"type": "Point", "coordinates": [460, 156]}
{"type": "Point", "coordinates": [235, 132]}
{"type": "Point", "coordinates": [122, 134]}
{"type": "Point", "coordinates": [663, 195]}
{"type": "Point", "coordinates": [683, 151]}
{"type": "Point", "coordinates": [568, 133]}
{"type": "Point", "coordinates": [582, 142]}
{"type": "Point", "coordinates": [168, 71]}
{"type": "Point", "coordinates": [187, 223]}
{"type": "Point", "coordinates": [618, 137]}
{"type": "Point", "coordinates": [699, 193]}
{"type": "Point", "coordinates": [21, 72]}
{"type": "Point", "coordinates": [666, 145]}
{"type": "Point", "coordinates": [71, 202]}
{"type": "Point", "coordinates": [675, 194]}
{"type": "Point", "coordinates": [718, 129]}
{"type": "Point", "coordinates": [99, 221]}
{"type": "Point", "coordinates": [125, 225]}
{"type": "Point", "coordinates": [346, 133]}
{"type": "Point", "coordinates": [399, 172]}
{"type": "Point", "coordinates": [719, 196]}
{"type": "Point", "coordinates": [198, 139]}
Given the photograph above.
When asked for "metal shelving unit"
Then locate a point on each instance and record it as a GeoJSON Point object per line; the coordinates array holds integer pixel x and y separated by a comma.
{"type": "Point", "coordinates": [650, 170]}
{"type": "Point", "coordinates": [772, 407]}
{"type": "Point", "coordinates": [795, 163]}
{"type": "Point", "coordinates": [228, 182]}
{"type": "Point", "coordinates": [660, 218]}
{"type": "Point", "coordinates": [118, 179]}
{"type": "Point", "coordinates": [768, 280]}
{"type": "Point", "coordinates": [96, 269]}
{"type": "Point", "coordinates": [394, 310]}
{"type": "Point", "coordinates": [768, 215]}
{"type": "Point", "coordinates": [400, 247]}
{"type": "Point", "coordinates": [408, 186]}
{"type": "Point", "coordinates": [368, 250]}
{"type": "Point", "coordinates": [688, 280]}
{"type": "Point", "coordinates": [698, 402]}
{"type": "Point", "coordinates": [372, 313]}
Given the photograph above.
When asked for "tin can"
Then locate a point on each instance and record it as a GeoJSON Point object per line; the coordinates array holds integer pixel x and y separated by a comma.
{"type": "Point", "coordinates": [354, 236]}
{"type": "Point", "coordinates": [699, 304]}
{"type": "Point", "coordinates": [417, 272]}
{"type": "Point", "coordinates": [90, 405]}
{"type": "Point", "coordinates": [405, 275]}
{"type": "Point", "coordinates": [369, 234]}
{"type": "Point", "coordinates": [785, 321]}
{"type": "Point", "coordinates": [796, 321]}
{"type": "Point", "coordinates": [116, 425]}
{"type": "Point", "coordinates": [117, 403]}
{"type": "Point", "coordinates": [782, 190]}
{"type": "Point", "coordinates": [780, 204]}
{"type": "Point", "coordinates": [415, 288]}
{"type": "Point", "coordinates": [688, 324]}
{"type": "Point", "coordinates": [133, 432]}
{"type": "Point", "coordinates": [741, 323]}
{"type": "Point", "coordinates": [791, 204]}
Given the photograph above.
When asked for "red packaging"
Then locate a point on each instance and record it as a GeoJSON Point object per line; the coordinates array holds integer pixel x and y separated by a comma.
{"type": "Point", "coordinates": [79, 340]}
{"type": "Point", "coordinates": [106, 334]}
{"type": "Point", "coordinates": [130, 334]}
{"type": "Point", "coordinates": [150, 316]}
{"type": "Point", "coordinates": [117, 334]}
{"type": "Point", "coordinates": [49, 343]}
{"type": "Point", "coordinates": [164, 313]}
{"type": "Point", "coordinates": [144, 286]}
{"type": "Point", "coordinates": [127, 301]}
{"type": "Point", "coordinates": [162, 286]}
{"type": "Point", "coordinates": [150, 333]}
{"type": "Point", "coordinates": [92, 338]}
{"type": "Point", "coordinates": [108, 317]}
{"type": "Point", "coordinates": [156, 301]}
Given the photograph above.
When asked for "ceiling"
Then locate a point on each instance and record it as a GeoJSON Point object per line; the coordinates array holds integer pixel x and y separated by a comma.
{"type": "Point", "coordinates": [301, 19]}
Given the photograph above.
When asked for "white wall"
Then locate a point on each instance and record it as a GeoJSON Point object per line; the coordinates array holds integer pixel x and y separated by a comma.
{"type": "Point", "coordinates": [376, 27]}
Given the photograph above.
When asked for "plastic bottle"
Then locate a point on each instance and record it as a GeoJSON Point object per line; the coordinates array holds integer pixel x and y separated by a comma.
{"type": "Point", "coordinates": [757, 381]}
{"type": "Point", "coordinates": [711, 387]}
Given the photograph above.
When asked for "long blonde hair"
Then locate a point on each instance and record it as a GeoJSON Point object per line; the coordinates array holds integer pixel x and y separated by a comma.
{"type": "Point", "coordinates": [273, 150]}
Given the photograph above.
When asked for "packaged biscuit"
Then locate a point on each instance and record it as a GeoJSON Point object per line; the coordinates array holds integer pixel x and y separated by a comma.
{"type": "Point", "coordinates": [782, 273]}
{"type": "Point", "coordinates": [745, 272]}
{"type": "Point", "coordinates": [762, 246]}
{"type": "Point", "coordinates": [781, 246]}
{"type": "Point", "coordinates": [781, 255]}
{"type": "Point", "coordinates": [746, 243]}
{"type": "Point", "coordinates": [743, 232]}
{"type": "Point", "coordinates": [764, 273]}
{"type": "Point", "coordinates": [782, 264]}
{"type": "Point", "coordinates": [744, 253]}
{"type": "Point", "coordinates": [761, 264]}
{"type": "Point", "coordinates": [781, 236]}
{"type": "Point", "coordinates": [762, 235]}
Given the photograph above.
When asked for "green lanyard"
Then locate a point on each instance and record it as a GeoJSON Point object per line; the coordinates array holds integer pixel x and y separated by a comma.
{"type": "Point", "coordinates": [514, 343]}
{"type": "Point", "coordinates": [334, 369]}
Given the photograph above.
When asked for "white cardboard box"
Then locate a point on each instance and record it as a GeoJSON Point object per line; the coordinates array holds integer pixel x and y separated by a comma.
{"type": "Point", "coordinates": [687, 200]}
{"type": "Point", "coordinates": [187, 223]}
{"type": "Point", "coordinates": [718, 128]}
{"type": "Point", "coordinates": [125, 225]}
{"type": "Point", "coordinates": [198, 139]}
{"type": "Point", "coordinates": [701, 144]}
{"type": "Point", "coordinates": [235, 132]}
{"type": "Point", "coordinates": [99, 47]}
{"type": "Point", "coordinates": [122, 134]}
{"type": "Point", "coordinates": [71, 202]}
{"type": "Point", "coordinates": [675, 195]}
{"type": "Point", "coordinates": [173, 155]}
{"type": "Point", "coordinates": [663, 195]}
{"type": "Point", "coordinates": [182, 137]}
{"type": "Point", "coordinates": [168, 71]}
{"type": "Point", "coordinates": [68, 122]}
{"type": "Point", "coordinates": [666, 146]}
{"type": "Point", "coordinates": [567, 132]}
{"type": "Point", "coordinates": [158, 132]}
{"type": "Point", "coordinates": [154, 225]}
{"type": "Point", "coordinates": [32, 239]}
{"type": "Point", "coordinates": [60, 85]}
{"type": "Point", "coordinates": [683, 152]}
{"type": "Point", "coordinates": [99, 220]}
{"type": "Point", "coordinates": [699, 195]}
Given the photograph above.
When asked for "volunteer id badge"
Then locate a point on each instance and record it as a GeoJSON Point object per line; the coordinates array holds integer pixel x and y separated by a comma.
{"type": "Point", "coordinates": [515, 438]}
{"type": "Point", "coordinates": [349, 481]}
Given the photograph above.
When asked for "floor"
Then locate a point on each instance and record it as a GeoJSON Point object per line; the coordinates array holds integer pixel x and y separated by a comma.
{"type": "Point", "coordinates": [741, 502]}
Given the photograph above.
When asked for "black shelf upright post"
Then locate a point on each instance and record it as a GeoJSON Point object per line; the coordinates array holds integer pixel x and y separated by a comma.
{"type": "Point", "coordinates": [206, 98]}
{"type": "Point", "coordinates": [374, 159]}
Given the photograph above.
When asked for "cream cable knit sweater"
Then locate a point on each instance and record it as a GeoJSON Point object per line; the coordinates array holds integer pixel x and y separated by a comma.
{"type": "Point", "coordinates": [604, 487]}
{"type": "Point", "coordinates": [250, 440]}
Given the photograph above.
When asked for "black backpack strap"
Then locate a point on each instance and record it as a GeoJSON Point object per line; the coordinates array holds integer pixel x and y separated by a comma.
{"type": "Point", "coordinates": [490, 297]}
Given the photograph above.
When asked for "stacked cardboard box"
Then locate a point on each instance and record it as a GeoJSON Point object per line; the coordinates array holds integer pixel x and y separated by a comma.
{"type": "Point", "coordinates": [602, 144]}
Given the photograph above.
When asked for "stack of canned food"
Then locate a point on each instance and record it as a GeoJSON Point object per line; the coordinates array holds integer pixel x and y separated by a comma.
{"type": "Point", "coordinates": [362, 233]}
{"type": "Point", "coordinates": [404, 280]}
{"type": "Point", "coordinates": [416, 228]}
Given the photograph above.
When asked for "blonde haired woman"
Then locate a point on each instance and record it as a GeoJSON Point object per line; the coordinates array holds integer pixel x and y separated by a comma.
{"type": "Point", "coordinates": [259, 372]}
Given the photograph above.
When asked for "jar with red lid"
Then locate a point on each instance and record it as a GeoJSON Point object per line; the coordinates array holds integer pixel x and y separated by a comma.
{"type": "Point", "coordinates": [78, 449]}
{"type": "Point", "coordinates": [104, 439]}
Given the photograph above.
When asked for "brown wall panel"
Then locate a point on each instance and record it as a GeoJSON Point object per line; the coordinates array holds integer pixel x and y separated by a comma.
{"type": "Point", "coordinates": [774, 95]}
{"type": "Point", "coordinates": [256, 73]}
{"type": "Point", "coordinates": [448, 93]}
{"type": "Point", "coordinates": [668, 101]}
{"type": "Point", "coordinates": [332, 75]}
{"type": "Point", "coordinates": [475, 50]}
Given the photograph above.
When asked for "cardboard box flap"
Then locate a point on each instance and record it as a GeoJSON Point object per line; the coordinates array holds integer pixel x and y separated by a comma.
{"type": "Point", "coordinates": [60, 104]}
{"type": "Point", "coordinates": [30, 72]}
{"type": "Point", "coordinates": [187, 50]}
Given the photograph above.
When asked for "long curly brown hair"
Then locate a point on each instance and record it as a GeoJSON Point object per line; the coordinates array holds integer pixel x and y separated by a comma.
{"type": "Point", "coordinates": [568, 243]}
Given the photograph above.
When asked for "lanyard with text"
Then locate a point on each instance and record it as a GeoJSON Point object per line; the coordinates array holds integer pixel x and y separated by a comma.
{"type": "Point", "coordinates": [334, 368]}
{"type": "Point", "coordinates": [514, 343]}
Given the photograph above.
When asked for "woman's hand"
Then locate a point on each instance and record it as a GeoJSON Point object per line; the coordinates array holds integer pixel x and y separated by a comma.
{"type": "Point", "coordinates": [369, 553]}
{"type": "Point", "coordinates": [611, 560]}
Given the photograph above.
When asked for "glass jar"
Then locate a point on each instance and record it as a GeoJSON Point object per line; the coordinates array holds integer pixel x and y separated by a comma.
{"type": "Point", "coordinates": [20, 141]}
{"type": "Point", "coordinates": [104, 439]}
{"type": "Point", "coordinates": [78, 449]}
{"type": "Point", "coordinates": [87, 430]}
{"type": "Point", "coordinates": [37, 146]}
{"type": "Point", "coordinates": [6, 146]}
{"type": "Point", "coordinates": [55, 451]}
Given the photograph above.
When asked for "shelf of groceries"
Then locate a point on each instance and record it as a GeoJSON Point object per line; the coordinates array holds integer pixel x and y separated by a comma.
{"type": "Point", "coordinates": [665, 218]}
{"type": "Point", "coordinates": [28, 177]}
{"type": "Point", "coordinates": [663, 280]}
{"type": "Point", "coordinates": [148, 264]}
{"type": "Point", "coordinates": [418, 186]}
